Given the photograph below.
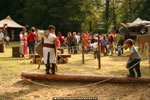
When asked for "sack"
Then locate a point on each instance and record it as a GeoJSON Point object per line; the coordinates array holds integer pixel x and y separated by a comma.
{"type": "Point", "coordinates": [39, 48]}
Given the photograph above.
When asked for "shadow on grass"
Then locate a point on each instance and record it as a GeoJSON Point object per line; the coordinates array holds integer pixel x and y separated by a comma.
{"type": "Point", "coordinates": [20, 93]}
{"type": "Point", "coordinates": [34, 87]}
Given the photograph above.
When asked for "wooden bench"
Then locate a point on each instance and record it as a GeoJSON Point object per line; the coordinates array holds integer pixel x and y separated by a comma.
{"type": "Point", "coordinates": [63, 58]}
{"type": "Point", "coordinates": [61, 50]}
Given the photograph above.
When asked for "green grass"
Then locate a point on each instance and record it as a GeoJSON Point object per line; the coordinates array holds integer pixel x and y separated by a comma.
{"type": "Point", "coordinates": [12, 85]}
{"type": "Point", "coordinates": [10, 67]}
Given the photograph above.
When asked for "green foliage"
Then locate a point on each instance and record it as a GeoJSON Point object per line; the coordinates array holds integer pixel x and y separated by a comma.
{"type": "Point", "coordinates": [75, 15]}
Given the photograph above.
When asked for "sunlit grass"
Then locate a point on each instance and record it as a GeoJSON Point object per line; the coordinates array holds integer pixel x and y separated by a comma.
{"type": "Point", "coordinates": [10, 68]}
{"type": "Point", "coordinates": [12, 87]}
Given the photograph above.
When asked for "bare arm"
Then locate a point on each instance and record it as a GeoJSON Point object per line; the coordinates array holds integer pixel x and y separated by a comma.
{"type": "Point", "coordinates": [128, 55]}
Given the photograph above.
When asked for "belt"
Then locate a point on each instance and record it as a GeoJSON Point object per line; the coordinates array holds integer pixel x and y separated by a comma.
{"type": "Point", "coordinates": [48, 45]}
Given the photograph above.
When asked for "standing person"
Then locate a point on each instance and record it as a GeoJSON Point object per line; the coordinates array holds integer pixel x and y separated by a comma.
{"type": "Point", "coordinates": [134, 59]}
{"type": "Point", "coordinates": [39, 38]}
{"type": "Point", "coordinates": [119, 47]}
{"type": "Point", "coordinates": [85, 42]}
{"type": "Point", "coordinates": [23, 42]}
{"type": "Point", "coordinates": [1, 36]}
{"type": "Point", "coordinates": [69, 42]}
{"type": "Point", "coordinates": [104, 43]}
{"type": "Point", "coordinates": [121, 43]}
{"type": "Point", "coordinates": [95, 48]}
{"type": "Point", "coordinates": [111, 43]}
{"type": "Point", "coordinates": [59, 36]}
{"type": "Point", "coordinates": [93, 39]}
{"type": "Point", "coordinates": [74, 43]}
{"type": "Point", "coordinates": [31, 40]}
{"type": "Point", "coordinates": [78, 40]}
{"type": "Point", "coordinates": [142, 32]}
{"type": "Point", "coordinates": [58, 42]}
{"type": "Point", "coordinates": [49, 49]}
{"type": "Point", "coordinates": [7, 40]}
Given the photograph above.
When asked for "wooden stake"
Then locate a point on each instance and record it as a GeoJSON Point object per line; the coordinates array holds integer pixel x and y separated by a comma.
{"type": "Point", "coordinates": [34, 59]}
{"type": "Point", "coordinates": [82, 53]}
{"type": "Point", "coordinates": [149, 57]}
{"type": "Point", "coordinates": [99, 53]}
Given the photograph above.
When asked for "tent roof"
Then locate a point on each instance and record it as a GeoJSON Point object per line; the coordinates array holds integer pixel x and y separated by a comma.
{"type": "Point", "coordinates": [138, 22]}
{"type": "Point", "coordinates": [10, 23]}
{"type": "Point", "coordinates": [147, 25]}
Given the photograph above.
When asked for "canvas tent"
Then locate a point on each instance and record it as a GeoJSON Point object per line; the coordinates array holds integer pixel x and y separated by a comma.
{"type": "Point", "coordinates": [138, 22]}
{"type": "Point", "coordinates": [10, 23]}
{"type": "Point", "coordinates": [134, 28]}
{"type": "Point", "coordinates": [148, 26]}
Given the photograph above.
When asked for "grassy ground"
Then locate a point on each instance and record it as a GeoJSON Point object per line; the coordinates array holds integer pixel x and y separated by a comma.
{"type": "Point", "coordinates": [12, 87]}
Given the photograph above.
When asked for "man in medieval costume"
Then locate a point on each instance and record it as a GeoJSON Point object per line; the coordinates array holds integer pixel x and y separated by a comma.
{"type": "Point", "coordinates": [49, 49]}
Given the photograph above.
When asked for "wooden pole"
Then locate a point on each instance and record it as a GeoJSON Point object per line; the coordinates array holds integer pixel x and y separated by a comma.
{"type": "Point", "coordinates": [83, 53]}
{"type": "Point", "coordinates": [99, 53]}
{"type": "Point", "coordinates": [83, 78]}
{"type": "Point", "coordinates": [34, 59]}
{"type": "Point", "coordinates": [149, 57]}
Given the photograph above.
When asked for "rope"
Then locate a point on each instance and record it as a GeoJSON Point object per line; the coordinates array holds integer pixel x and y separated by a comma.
{"type": "Point", "coordinates": [135, 64]}
{"type": "Point", "coordinates": [83, 86]}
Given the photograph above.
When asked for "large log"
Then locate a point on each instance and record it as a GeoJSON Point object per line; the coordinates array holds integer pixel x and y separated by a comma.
{"type": "Point", "coordinates": [83, 78]}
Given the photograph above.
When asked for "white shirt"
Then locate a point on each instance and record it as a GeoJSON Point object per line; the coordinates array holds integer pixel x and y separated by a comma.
{"type": "Point", "coordinates": [94, 45]}
{"type": "Point", "coordinates": [135, 53]}
{"type": "Point", "coordinates": [7, 38]}
{"type": "Point", "coordinates": [21, 39]}
{"type": "Point", "coordinates": [78, 39]}
{"type": "Point", "coordinates": [51, 38]}
{"type": "Point", "coordinates": [1, 36]}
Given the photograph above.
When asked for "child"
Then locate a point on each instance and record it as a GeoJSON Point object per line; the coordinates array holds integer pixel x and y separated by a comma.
{"type": "Point", "coordinates": [134, 59]}
{"type": "Point", "coordinates": [119, 50]}
{"type": "Point", "coordinates": [95, 46]}
{"type": "Point", "coordinates": [7, 40]}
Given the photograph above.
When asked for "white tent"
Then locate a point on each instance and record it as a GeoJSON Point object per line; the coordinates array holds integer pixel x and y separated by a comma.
{"type": "Point", "coordinates": [10, 23]}
{"type": "Point", "coordinates": [138, 22]}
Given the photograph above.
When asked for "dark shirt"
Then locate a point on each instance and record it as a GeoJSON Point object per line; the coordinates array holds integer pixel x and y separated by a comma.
{"type": "Point", "coordinates": [69, 40]}
{"type": "Point", "coordinates": [121, 42]}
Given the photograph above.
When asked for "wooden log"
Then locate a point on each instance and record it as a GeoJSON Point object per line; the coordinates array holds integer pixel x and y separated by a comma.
{"type": "Point", "coordinates": [83, 78]}
{"type": "Point", "coordinates": [16, 51]}
{"type": "Point", "coordinates": [2, 47]}
{"type": "Point", "coordinates": [65, 55]}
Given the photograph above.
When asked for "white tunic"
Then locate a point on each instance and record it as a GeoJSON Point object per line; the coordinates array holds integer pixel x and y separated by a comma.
{"type": "Point", "coordinates": [21, 39]}
{"type": "Point", "coordinates": [1, 36]}
{"type": "Point", "coordinates": [49, 40]}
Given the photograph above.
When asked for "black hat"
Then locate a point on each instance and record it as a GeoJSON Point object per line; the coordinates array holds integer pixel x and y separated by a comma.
{"type": "Point", "coordinates": [51, 27]}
